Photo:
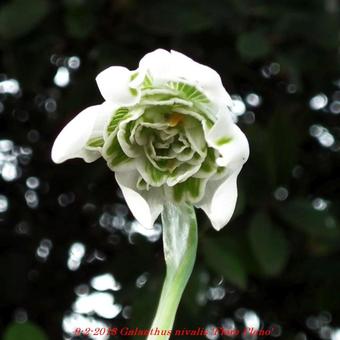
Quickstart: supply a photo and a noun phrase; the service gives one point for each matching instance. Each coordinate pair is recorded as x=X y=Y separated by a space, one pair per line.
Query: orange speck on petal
x=175 y=119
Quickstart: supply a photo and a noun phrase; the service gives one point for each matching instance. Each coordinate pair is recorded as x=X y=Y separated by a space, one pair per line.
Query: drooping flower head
x=166 y=131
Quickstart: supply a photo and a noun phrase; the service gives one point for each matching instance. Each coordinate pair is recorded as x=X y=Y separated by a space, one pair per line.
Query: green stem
x=180 y=247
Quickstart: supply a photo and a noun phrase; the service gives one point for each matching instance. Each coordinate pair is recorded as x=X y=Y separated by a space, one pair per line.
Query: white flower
x=167 y=132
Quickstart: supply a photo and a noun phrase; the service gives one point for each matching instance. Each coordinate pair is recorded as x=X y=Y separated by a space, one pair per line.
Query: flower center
x=163 y=139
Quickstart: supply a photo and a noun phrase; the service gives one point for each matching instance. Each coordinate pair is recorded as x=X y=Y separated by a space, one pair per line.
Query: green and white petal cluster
x=166 y=131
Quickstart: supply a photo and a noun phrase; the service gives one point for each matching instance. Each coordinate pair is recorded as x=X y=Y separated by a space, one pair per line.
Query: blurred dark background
x=71 y=254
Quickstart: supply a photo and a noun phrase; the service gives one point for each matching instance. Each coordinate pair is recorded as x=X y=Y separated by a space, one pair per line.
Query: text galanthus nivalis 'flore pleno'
x=166 y=131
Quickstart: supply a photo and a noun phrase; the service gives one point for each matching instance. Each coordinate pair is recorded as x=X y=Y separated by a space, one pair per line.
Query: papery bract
x=166 y=131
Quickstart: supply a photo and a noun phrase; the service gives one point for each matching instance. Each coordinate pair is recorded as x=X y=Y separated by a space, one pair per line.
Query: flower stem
x=180 y=247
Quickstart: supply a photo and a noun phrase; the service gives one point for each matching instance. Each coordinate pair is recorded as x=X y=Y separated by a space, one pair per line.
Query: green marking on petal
x=208 y=167
x=182 y=172
x=113 y=148
x=223 y=140
x=178 y=192
x=220 y=172
x=147 y=82
x=114 y=154
x=185 y=155
x=193 y=186
x=141 y=184
x=119 y=115
x=188 y=92
x=133 y=76
x=157 y=177
x=119 y=159
x=163 y=163
x=208 y=164
x=188 y=191
x=95 y=143
x=196 y=159
x=204 y=117
x=133 y=91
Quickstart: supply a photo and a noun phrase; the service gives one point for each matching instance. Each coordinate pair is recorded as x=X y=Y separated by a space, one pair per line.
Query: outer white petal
x=235 y=152
x=71 y=141
x=114 y=84
x=207 y=78
x=144 y=205
x=106 y=111
x=220 y=199
x=158 y=63
x=164 y=66
x=220 y=196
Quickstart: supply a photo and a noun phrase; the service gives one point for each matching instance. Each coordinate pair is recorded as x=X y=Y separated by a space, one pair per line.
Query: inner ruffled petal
x=167 y=140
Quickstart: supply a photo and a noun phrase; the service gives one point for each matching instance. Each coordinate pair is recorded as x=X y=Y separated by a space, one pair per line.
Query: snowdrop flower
x=166 y=131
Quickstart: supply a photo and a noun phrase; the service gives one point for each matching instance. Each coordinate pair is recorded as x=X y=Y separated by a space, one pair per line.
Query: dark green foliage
x=268 y=244
x=25 y=331
x=18 y=17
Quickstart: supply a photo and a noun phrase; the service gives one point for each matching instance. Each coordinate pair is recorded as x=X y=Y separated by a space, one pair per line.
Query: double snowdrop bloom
x=166 y=131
